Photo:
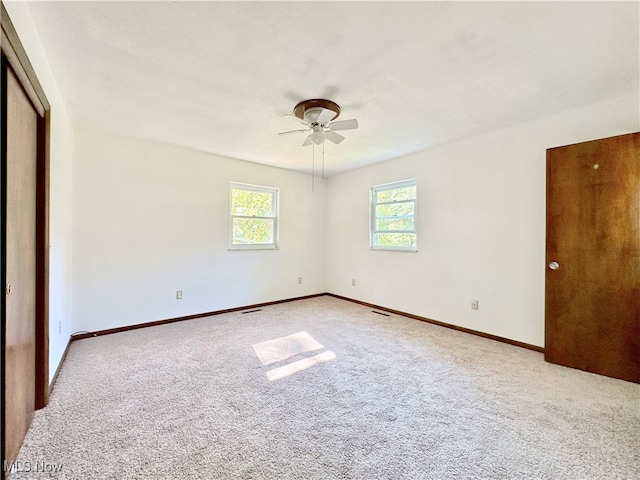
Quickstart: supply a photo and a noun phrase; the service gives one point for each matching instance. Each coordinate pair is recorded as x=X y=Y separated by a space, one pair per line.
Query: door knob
x=554 y=265
x=8 y=289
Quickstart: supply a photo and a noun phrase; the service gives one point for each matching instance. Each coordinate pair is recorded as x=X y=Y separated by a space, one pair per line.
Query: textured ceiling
x=219 y=76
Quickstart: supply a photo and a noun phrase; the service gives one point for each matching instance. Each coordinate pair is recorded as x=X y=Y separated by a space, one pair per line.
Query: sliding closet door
x=593 y=257
x=20 y=290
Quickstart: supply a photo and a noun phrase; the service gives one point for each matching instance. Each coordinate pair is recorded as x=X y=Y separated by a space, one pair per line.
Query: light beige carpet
x=325 y=389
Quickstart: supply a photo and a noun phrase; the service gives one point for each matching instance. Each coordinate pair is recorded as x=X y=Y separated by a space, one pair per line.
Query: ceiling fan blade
x=307 y=141
x=333 y=136
x=293 y=131
x=344 y=125
x=325 y=116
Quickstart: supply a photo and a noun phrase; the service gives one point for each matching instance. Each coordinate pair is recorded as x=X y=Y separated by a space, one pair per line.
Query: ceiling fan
x=318 y=115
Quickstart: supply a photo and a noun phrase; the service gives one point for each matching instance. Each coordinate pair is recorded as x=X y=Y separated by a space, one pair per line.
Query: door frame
x=15 y=57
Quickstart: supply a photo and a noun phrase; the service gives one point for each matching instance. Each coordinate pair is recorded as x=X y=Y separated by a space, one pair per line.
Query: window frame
x=275 y=216
x=412 y=182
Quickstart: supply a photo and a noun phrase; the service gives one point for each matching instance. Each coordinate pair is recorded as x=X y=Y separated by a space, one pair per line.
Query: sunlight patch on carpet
x=290 y=369
x=279 y=349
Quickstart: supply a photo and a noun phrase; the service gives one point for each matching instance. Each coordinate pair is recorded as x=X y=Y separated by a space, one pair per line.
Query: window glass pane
x=395 y=194
x=249 y=203
x=395 y=224
x=252 y=231
x=397 y=240
x=395 y=216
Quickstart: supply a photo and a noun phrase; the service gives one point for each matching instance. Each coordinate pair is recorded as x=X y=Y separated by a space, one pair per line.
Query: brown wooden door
x=592 y=311
x=20 y=294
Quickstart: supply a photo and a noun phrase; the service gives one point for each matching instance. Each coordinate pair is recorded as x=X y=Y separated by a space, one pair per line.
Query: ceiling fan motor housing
x=302 y=109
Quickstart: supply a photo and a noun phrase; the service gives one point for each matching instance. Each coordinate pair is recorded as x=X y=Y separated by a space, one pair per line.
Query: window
x=254 y=217
x=393 y=216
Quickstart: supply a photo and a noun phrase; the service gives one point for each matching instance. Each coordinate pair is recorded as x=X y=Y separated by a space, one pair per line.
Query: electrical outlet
x=60 y=327
x=474 y=304
x=299 y=279
x=179 y=295
x=353 y=282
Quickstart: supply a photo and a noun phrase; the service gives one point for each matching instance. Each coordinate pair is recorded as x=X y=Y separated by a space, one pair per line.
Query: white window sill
x=235 y=248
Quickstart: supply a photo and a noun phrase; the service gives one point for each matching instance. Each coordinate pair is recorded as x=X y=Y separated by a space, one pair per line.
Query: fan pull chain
x=313 y=169
x=322 y=160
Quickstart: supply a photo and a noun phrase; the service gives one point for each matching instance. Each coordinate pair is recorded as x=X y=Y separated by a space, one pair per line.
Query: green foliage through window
x=252 y=231
x=396 y=194
x=250 y=203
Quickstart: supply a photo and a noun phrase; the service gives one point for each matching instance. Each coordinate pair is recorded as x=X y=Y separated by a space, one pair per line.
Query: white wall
x=151 y=219
x=61 y=154
x=481 y=225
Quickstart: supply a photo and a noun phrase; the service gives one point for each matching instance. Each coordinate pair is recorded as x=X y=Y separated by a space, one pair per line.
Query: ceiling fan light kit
x=317 y=137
